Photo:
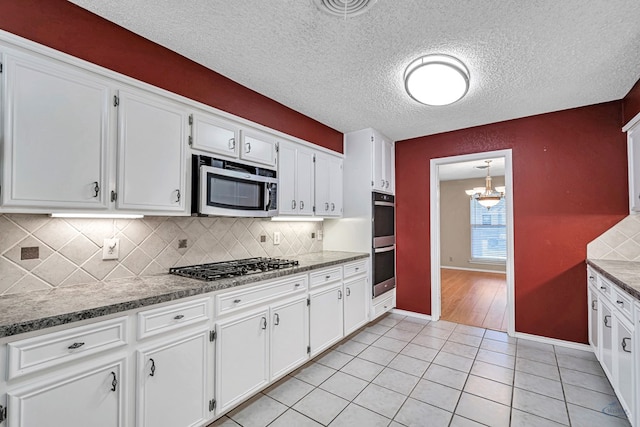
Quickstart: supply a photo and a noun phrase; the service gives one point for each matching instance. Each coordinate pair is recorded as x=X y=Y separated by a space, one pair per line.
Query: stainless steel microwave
x=227 y=188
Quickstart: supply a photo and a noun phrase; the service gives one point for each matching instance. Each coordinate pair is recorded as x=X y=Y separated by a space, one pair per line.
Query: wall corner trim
x=411 y=314
x=553 y=341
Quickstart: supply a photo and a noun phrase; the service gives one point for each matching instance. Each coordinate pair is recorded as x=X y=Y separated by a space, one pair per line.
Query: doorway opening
x=472 y=245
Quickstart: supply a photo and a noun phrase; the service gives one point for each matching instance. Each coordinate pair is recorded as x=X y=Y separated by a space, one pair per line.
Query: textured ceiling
x=525 y=57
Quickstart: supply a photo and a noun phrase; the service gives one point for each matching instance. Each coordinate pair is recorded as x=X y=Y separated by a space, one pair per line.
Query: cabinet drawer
x=325 y=276
x=382 y=306
x=175 y=316
x=605 y=287
x=34 y=354
x=230 y=302
x=624 y=302
x=354 y=268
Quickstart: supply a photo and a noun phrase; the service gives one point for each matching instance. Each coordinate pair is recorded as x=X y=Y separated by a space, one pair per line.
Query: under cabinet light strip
x=297 y=218
x=91 y=215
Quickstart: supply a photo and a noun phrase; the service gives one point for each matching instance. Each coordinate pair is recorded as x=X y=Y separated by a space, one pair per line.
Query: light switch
x=276 y=237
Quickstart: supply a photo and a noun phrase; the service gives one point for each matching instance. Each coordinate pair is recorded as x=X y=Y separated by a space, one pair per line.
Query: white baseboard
x=410 y=314
x=479 y=270
x=554 y=341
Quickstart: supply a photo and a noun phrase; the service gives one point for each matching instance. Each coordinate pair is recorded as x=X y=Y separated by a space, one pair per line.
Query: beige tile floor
x=403 y=371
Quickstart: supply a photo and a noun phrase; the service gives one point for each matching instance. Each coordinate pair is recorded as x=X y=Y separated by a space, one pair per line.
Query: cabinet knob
x=248 y=145
x=333 y=207
x=620 y=302
x=179 y=316
x=75 y=345
x=382 y=183
x=348 y=292
x=604 y=288
x=264 y=322
x=326 y=206
x=178 y=195
x=293 y=204
x=301 y=204
x=339 y=294
x=236 y=301
x=96 y=188
x=276 y=319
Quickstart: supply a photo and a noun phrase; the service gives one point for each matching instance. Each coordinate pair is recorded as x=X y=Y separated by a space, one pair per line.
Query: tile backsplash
x=620 y=242
x=70 y=250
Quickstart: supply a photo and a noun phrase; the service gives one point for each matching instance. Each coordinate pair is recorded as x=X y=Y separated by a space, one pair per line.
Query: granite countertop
x=625 y=274
x=31 y=311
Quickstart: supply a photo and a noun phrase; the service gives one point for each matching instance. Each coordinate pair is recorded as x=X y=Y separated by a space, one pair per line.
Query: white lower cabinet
x=242 y=357
x=89 y=396
x=289 y=336
x=355 y=303
x=325 y=317
x=172 y=382
x=593 y=309
x=624 y=366
x=606 y=342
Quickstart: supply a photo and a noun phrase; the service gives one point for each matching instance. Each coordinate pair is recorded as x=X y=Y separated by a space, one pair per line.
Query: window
x=488 y=232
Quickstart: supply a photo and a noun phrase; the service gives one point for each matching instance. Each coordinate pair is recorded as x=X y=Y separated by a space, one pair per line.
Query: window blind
x=488 y=232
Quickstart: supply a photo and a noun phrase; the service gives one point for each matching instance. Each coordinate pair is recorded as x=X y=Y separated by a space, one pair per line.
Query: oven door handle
x=384 y=204
x=385 y=249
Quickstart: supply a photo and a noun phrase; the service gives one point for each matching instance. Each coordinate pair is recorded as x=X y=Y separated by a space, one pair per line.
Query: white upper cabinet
x=328 y=185
x=295 y=179
x=383 y=164
x=258 y=147
x=151 y=155
x=55 y=136
x=633 y=155
x=215 y=135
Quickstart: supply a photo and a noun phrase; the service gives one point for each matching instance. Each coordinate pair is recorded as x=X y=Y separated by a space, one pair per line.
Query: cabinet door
x=172 y=383
x=89 y=398
x=378 y=163
x=287 y=202
x=242 y=358
x=355 y=304
x=388 y=166
x=606 y=339
x=289 y=335
x=322 y=185
x=215 y=135
x=305 y=181
x=335 y=186
x=624 y=352
x=325 y=317
x=258 y=147
x=151 y=162
x=55 y=137
x=593 y=320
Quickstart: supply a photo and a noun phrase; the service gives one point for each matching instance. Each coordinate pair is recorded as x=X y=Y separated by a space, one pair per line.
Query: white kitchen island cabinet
x=92 y=395
x=56 y=136
x=172 y=385
x=152 y=134
x=296 y=179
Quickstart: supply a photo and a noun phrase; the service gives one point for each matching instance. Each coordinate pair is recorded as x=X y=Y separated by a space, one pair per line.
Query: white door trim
x=435 y=229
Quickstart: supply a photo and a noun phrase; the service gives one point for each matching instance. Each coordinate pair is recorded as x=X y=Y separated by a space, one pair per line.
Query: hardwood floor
x=474 y=298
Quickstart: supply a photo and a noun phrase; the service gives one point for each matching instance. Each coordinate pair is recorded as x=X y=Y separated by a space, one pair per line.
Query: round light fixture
x=436 y=79
x=344 y=8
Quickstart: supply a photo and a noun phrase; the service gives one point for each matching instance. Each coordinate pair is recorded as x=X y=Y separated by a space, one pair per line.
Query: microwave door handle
x=267 y=197
x=385 y=249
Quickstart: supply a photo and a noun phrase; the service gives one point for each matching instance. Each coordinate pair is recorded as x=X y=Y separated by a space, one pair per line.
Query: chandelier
x=487 y=196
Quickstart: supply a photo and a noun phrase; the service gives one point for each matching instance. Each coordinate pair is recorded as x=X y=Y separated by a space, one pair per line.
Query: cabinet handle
x=114 y=196
x=236 y=301
x=591 y=277
x=326 y=206
x=297 y=285
x=333 y=207
x=606 y=321
x=293 y=204
x=327 y=277
x=387 y=184
x=624 y=344
x=301 y=204
x=339 y=294
x=178 y=196
x=153 y=367
x=96 y=188
x=248 y=145
x=604 y=288
x=232 y=144
x=179 y=316
x=276 y=320
x=114 y=383
x=593 y=305
x=620 y=302
x=264 y=322
x=75 y=345
x=348 y=292
x=382 y=185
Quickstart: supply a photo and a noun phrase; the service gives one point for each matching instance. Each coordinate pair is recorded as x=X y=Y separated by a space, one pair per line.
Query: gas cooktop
x=240 y=267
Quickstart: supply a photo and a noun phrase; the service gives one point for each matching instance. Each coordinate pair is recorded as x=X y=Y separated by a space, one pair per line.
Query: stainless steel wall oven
x=384 y=248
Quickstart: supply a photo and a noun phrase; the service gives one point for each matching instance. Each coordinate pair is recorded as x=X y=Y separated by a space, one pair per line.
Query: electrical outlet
x=182 y=243
x=111 y=249
x=263 y=238
x=319 y=234
x=276 y=237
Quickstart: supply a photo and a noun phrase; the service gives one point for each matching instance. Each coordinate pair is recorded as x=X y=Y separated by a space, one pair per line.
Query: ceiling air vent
x=344 y=8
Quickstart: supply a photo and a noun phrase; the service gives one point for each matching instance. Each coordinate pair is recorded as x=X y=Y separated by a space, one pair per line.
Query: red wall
x=73 y=30
x=631 y=103
x=569 y=185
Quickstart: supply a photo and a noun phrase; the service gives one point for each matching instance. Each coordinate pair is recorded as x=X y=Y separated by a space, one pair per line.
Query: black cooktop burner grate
x=224 y=269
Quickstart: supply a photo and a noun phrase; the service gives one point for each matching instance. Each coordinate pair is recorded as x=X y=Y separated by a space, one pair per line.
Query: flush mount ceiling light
x=436 y=79
x=487 y=196
x=344 y=8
